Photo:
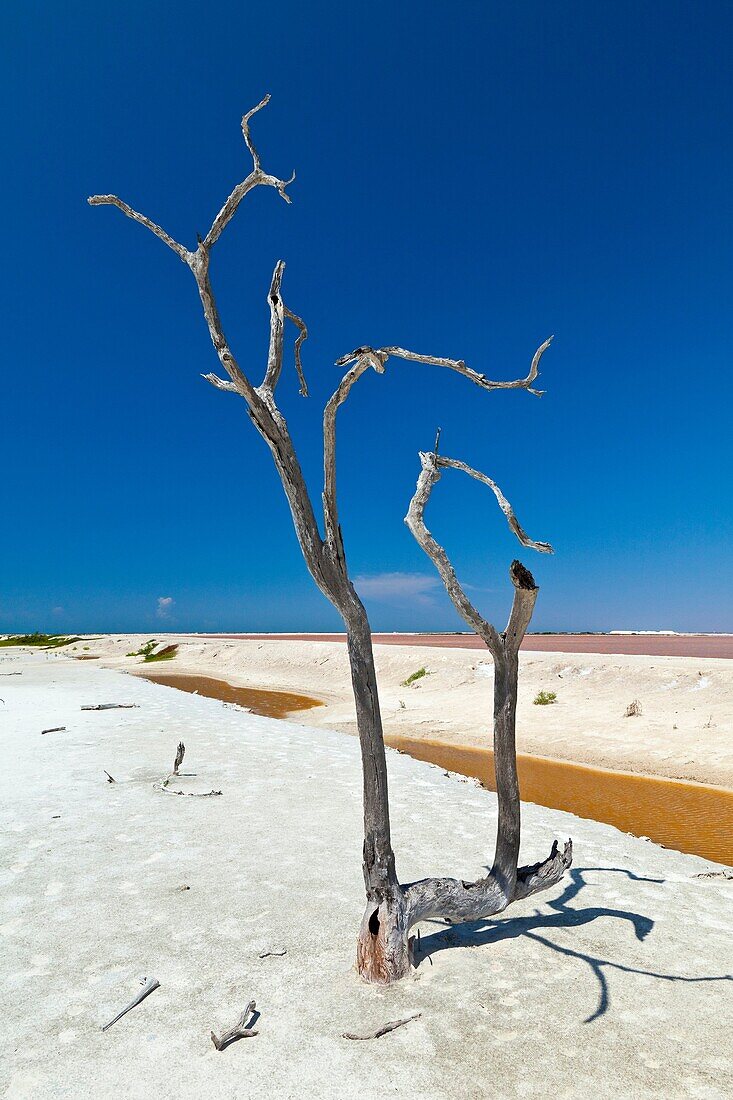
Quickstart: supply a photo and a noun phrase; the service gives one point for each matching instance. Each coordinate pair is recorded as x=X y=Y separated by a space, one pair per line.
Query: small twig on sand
x=111 y=706
x=53 y=729
x=239 y=1031
x=186 y=794
x=148 y=985
x=391 y=1026
x=274 y=951
x=110 y=778
x=180 y=753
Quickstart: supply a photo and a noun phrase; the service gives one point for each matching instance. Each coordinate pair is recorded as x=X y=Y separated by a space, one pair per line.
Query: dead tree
x=383 y=950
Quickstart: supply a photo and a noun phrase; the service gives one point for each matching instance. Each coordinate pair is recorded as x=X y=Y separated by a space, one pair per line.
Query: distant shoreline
x=641 y=644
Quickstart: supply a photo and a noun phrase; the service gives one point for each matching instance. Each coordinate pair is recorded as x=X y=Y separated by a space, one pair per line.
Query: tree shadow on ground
x=483 y=932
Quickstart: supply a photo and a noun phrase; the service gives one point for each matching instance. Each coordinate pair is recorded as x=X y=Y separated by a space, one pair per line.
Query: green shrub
x=418 y=675
x=166 y=654
x=544 y=698
x=145 y=650
x=49 y=641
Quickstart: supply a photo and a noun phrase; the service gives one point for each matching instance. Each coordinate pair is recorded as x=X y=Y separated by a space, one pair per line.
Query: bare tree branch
x=415 y=521
x=453 y=463
x=277 y=328
x=365 y=358
x=220 y=383
x=200 y=268
x=299 y=339
x=459 y=366
x=246 y=134
x=256 y=178
x=112 y=200
x=278 y=312
x=431 y=465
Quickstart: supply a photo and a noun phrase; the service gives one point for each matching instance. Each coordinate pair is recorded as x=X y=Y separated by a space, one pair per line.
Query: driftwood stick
x=391 y=1026
x=274 y=951
x=53 y=729
x=239 y=1031
x=148 y=985
x=163 y=785
x=111 y=706
x=110 y=778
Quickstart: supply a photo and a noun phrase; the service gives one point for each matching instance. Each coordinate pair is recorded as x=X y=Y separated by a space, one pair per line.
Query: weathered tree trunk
x=382 y=953
x=506 y=676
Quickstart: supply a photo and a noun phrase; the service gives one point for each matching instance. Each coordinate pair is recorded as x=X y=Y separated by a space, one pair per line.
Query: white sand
x=91 y=899
x=685 y=730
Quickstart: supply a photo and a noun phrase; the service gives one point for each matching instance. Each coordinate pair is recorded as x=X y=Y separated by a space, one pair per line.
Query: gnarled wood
x=239 y=1031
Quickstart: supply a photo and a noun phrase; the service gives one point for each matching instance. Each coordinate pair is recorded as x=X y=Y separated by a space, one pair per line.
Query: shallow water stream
x=690 y=817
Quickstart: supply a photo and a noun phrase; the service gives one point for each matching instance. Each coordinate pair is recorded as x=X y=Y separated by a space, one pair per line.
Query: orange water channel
x=690 y=817
x=270 y=704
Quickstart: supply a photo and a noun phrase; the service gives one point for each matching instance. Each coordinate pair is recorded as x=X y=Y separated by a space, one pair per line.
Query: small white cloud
x=58 y=610
x=398 y=587
x=165 y=603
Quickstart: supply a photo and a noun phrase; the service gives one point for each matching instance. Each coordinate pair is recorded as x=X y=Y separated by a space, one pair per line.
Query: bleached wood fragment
x=239 y=1031
x=148 y=985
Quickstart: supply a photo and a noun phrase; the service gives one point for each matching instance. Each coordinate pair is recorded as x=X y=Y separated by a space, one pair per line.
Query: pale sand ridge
x=685 y=730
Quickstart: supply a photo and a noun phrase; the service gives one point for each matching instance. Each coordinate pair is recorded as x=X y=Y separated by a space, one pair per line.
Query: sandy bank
x=685 y=730
x=610 y=986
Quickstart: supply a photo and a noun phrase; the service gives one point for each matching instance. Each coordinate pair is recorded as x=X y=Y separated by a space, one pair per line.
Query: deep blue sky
x=471 y=178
